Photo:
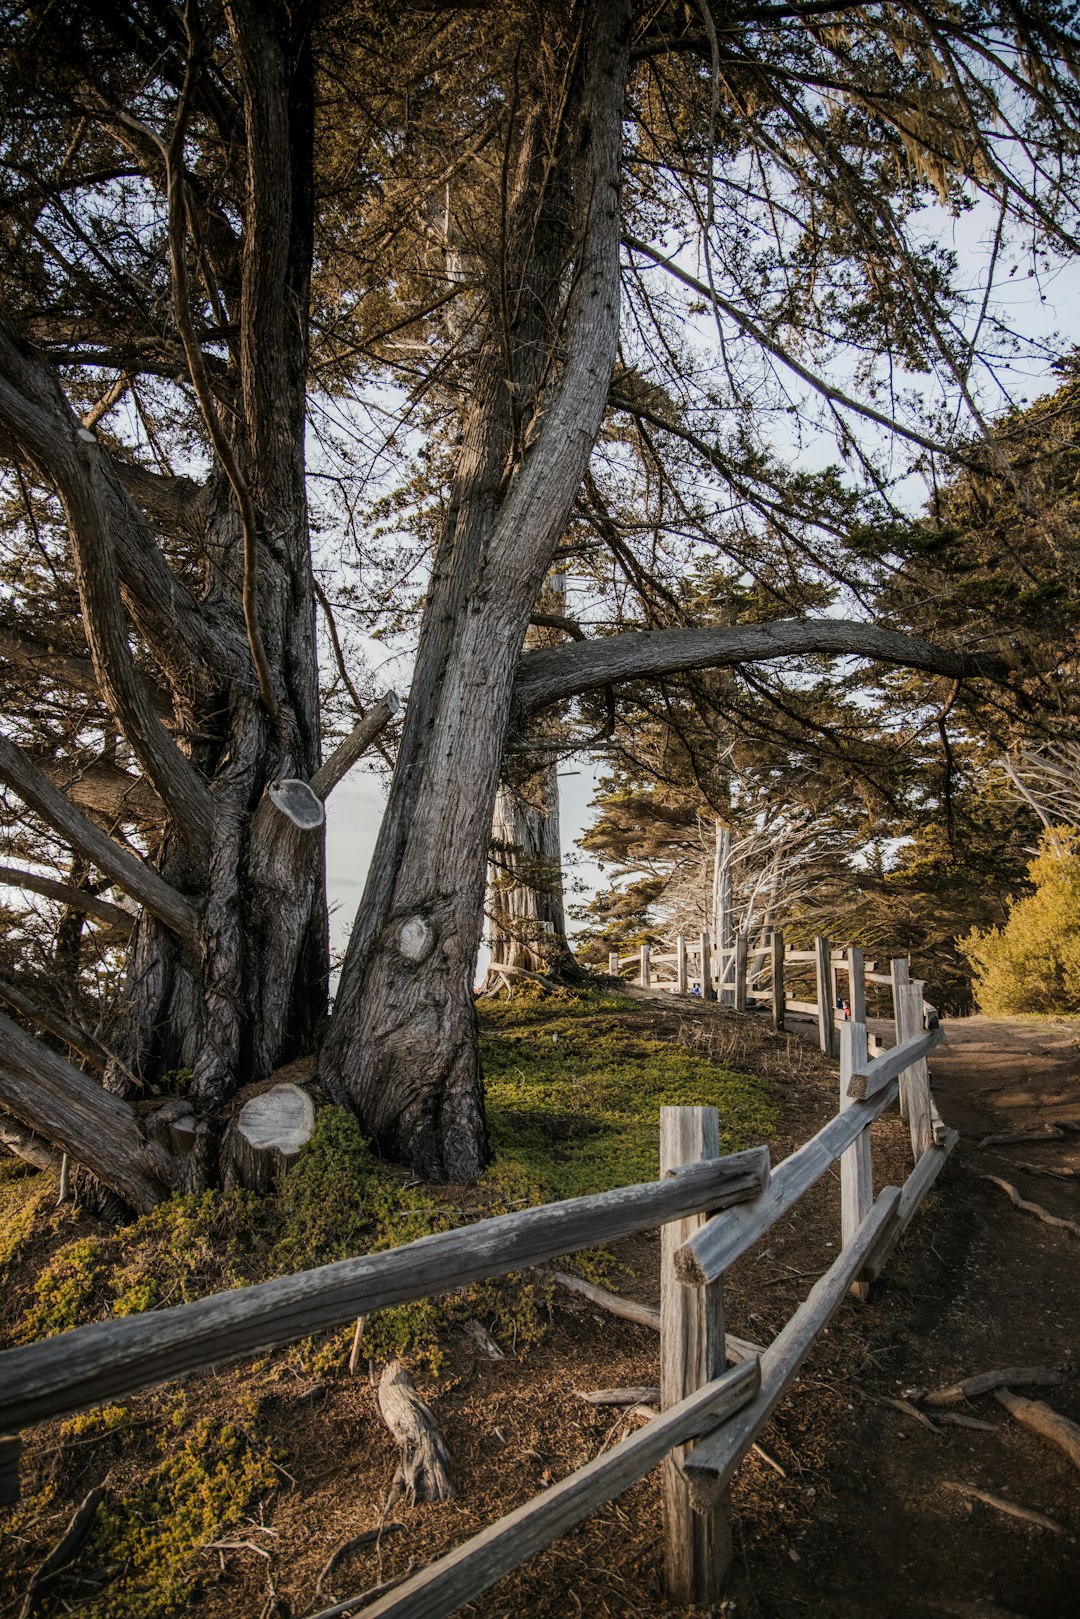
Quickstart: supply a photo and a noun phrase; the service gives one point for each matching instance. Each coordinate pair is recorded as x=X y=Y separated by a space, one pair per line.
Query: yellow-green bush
x=1032 y=964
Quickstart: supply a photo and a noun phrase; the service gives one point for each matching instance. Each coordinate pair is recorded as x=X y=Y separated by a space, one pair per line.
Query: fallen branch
x=644 y=1315
x=1032 y=1208
x=1044 y=1420
x=984 y=1382
x=905 y=1406
x=63 y=1553
x=424 y=1468
x=482 y=1340
x=347 y=1606
x=960 y=1419
x=1005 y=1138
x=626 y=1396
x=1045 y=1169
x=770 y=1461
x=1026 y=1514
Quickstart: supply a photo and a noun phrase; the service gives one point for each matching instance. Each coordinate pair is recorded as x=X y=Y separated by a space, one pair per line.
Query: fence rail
x=739 y=974
x=711 y=1209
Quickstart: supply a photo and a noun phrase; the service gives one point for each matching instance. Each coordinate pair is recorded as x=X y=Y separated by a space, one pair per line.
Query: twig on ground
x=63 y=1553
x=959 y=1419
x=770 y=1461
x=367 y=1537
x=340 y=1608
x=905 y=1406
x=1038 y=1520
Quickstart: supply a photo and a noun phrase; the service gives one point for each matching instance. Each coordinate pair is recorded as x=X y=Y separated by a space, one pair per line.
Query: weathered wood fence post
x=826 y=1009
x=643 y=978
x=697 y=1545
x=740 y=972
x=778 y=996
x=917 y=1077
x=613 y=964
x=901 y=977
x=680 y=964
x=856 y=1165
x=707 y=991
x=857 y=984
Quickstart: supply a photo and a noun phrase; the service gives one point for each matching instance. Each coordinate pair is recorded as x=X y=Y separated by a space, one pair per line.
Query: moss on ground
x=575 y=1086
x=575 y=1091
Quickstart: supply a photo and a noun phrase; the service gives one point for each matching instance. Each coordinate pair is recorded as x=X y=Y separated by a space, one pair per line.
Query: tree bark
x=402 y=1043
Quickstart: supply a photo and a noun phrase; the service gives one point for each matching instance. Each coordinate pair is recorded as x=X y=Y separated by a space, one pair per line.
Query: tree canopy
x=325 y=322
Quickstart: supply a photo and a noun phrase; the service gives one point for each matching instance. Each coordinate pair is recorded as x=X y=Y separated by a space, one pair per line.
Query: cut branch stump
x=267 y=1136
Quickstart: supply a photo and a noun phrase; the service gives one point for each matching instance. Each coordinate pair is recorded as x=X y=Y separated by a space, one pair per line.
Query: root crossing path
x=907 y=1516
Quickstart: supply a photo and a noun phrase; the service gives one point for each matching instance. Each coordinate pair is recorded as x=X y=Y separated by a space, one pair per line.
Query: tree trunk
x=402 y=1043
x=525 y=897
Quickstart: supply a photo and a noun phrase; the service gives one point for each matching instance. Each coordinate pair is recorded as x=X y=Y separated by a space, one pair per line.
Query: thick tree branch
x=77 y=898
x=176 y=502
x=560 y=672
x=41 y=658
x=138 y=879
x=78 y=1039
x=356 y=743
x=77 y=1116
x=103 y=789
x=25 y=1144
x=38 y=425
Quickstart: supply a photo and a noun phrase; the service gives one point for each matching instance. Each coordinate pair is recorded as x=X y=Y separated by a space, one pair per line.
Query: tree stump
x=424 y=1469
x=267 y=1135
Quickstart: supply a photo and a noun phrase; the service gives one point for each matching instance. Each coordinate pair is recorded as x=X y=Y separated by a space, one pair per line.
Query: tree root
x=1038 y=1520
x=1043 y=1420
x=985 y=1382
x=1032 y=1208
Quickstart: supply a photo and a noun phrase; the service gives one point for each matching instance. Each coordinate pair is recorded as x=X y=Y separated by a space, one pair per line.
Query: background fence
x=711 y=1210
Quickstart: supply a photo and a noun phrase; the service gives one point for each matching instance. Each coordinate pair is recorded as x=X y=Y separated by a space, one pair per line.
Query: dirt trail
x=979 y=1285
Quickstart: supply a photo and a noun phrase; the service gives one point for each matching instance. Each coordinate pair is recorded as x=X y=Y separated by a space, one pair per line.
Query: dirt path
x=979 y=1285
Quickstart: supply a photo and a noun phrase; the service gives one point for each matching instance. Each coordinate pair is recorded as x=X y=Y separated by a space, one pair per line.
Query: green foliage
x=23 y=1194
x=574 y=1094
x=1032 y=964
x=202 y=1488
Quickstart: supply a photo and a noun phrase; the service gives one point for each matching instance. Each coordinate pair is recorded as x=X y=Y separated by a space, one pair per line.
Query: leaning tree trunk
x=402 y=1045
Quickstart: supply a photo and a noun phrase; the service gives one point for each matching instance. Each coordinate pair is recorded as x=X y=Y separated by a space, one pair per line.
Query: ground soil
x=847 y=1508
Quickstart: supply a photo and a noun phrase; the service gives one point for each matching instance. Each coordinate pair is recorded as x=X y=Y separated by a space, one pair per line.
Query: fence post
x=697 y=1546
x=778 y=997
x=613 y=964
x=901 y=977
x=707 y=991
x=825 y=997
x=857 y=984
x=856 y=1167
x=920 y=1111
x=643 y=980
x=740 y=972
x=680 y=964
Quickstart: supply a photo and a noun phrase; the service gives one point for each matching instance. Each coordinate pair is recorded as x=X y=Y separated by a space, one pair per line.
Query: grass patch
x=574 y=1093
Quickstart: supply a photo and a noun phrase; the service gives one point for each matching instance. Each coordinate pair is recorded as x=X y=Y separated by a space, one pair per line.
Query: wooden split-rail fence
x=710 y=1209
x=744 y=976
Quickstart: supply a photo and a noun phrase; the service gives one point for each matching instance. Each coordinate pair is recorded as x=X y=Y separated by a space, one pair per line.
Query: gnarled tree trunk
x=402 y=1042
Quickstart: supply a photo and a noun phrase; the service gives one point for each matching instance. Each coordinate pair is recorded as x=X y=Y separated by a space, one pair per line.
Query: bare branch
x=78 y=1039
x=77 y=898
x=137 y=878
x=559 y=672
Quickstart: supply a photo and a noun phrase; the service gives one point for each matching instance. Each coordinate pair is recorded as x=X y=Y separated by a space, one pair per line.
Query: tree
x=1032 y=963
x=221 y=219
